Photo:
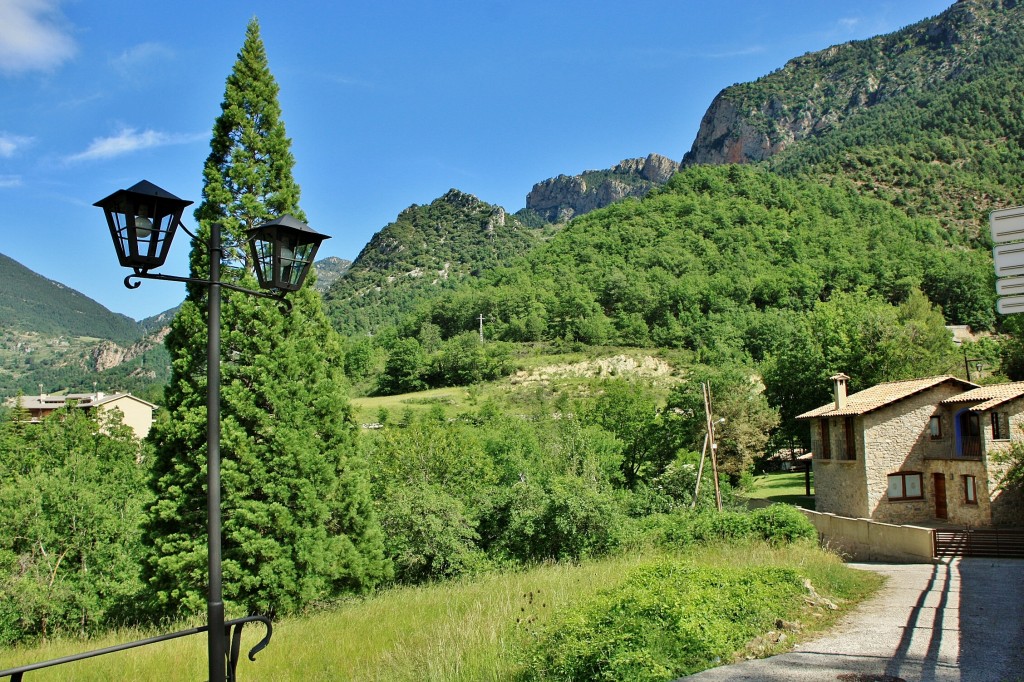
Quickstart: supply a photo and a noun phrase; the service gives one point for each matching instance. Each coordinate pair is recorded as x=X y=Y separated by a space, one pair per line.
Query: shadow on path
x=956 y=621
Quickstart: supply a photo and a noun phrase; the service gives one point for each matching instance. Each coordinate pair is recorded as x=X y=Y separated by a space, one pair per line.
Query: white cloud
x=10 y=181
x=10 y=144
x=131 y=140
x=33 y=36
x=738 y=52
x=140 y=56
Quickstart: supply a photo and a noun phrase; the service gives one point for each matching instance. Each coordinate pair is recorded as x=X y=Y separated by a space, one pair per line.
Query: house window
x=969 y=436
x=826 y=441
x=935 y=427
x=1000 y=426
x=970 y=491
x=905 y=485
x=851 y=441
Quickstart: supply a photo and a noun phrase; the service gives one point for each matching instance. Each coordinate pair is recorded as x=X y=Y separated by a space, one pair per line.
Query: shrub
x=429 y=534
x=666 y=620
x=681 y=528
x=782 y=523
x=568 y=517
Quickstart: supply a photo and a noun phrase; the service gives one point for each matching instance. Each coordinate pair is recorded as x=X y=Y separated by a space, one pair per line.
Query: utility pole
x=711 y=442
x=481 y=328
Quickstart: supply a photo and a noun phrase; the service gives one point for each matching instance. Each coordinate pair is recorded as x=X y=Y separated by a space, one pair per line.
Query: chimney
x=839 y=381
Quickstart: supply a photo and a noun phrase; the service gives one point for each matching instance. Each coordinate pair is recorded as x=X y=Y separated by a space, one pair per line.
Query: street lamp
x=282 y=251
x=142 y=222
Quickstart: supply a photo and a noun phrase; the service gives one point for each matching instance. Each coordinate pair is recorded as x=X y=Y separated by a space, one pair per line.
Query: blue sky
x=387 y=103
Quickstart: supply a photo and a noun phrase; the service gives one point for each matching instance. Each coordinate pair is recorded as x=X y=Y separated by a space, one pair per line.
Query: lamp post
x=142 y=221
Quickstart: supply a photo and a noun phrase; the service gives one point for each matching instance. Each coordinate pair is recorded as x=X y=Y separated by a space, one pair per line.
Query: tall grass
x=473 y=629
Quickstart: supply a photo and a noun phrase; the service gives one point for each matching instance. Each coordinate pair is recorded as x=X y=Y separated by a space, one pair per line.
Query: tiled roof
x=53 y=402
x=989 y=396
x=880 y=395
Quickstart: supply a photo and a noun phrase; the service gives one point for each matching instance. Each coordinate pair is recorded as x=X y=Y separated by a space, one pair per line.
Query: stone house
x=135 y=412
x=917 y=451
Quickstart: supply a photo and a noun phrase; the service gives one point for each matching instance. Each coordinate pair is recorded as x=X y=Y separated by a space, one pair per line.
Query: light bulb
x=143 y=227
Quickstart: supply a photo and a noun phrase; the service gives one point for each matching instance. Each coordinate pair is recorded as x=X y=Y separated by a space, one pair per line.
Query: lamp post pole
x=142 y=222
x=215 y=602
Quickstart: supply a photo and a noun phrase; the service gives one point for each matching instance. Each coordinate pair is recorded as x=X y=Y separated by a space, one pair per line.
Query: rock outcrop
x=558 y=199
x=821 y=90
x=107 y=354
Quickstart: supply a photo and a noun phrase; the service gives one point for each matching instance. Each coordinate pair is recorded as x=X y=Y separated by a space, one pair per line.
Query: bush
x=782 y=523
x=682 y=528
x=566 y=518
x=665 y=621
x=429 y=534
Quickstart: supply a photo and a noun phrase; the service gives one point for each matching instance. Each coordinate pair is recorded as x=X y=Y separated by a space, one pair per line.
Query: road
x=956 y=621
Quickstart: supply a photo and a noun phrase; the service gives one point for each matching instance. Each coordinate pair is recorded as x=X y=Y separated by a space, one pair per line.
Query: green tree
x=628 y=410
x=861 y=336
x=738 y=398
x=297 y=519
x=403 y=371
x=72 y=496
x=1012 y=360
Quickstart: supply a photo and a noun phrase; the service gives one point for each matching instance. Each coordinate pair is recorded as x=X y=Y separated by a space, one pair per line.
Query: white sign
x=1010 y=304
x=1007 y=225
x=1010 y=286
x=1009 y=259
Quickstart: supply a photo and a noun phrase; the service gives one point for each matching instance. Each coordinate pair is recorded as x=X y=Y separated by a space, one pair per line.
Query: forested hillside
x=54 y=336
x=32 y=303
x=718 y=261
x=926 y=118
x=734 y=266
x=425 y=250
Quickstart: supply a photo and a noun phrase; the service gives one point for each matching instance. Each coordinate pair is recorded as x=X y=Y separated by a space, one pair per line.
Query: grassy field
x=455 y=399
x=539 y=372
x=463 y=630
x=783 y=486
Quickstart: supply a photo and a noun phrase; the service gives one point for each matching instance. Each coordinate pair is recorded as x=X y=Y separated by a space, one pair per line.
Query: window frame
x=1000 y=425
x=826 y=438
x=903 y=475
x=850 y=436
x=970 y=487
x=935 y=427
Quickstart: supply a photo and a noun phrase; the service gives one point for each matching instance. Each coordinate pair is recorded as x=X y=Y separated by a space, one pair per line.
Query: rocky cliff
x=821 y=91
x=108 y=355
x=558 y=199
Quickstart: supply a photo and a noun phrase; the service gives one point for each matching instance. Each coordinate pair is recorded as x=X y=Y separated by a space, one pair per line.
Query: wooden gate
x=980 y=542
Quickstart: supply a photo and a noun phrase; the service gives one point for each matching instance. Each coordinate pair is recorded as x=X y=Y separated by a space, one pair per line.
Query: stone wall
x=897 y=439
x=1007 y=505
x=839 y=481
x=866 y=540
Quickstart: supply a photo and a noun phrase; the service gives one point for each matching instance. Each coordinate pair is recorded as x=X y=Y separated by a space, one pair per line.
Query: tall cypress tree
x=297 y=520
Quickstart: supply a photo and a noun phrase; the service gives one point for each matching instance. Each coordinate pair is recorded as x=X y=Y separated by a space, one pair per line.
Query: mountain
x=724 y=261
x=57 y=338
x=556 y=200
x=427 y=248
x=328 y=270
x=926 y=118
x=30 y=302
